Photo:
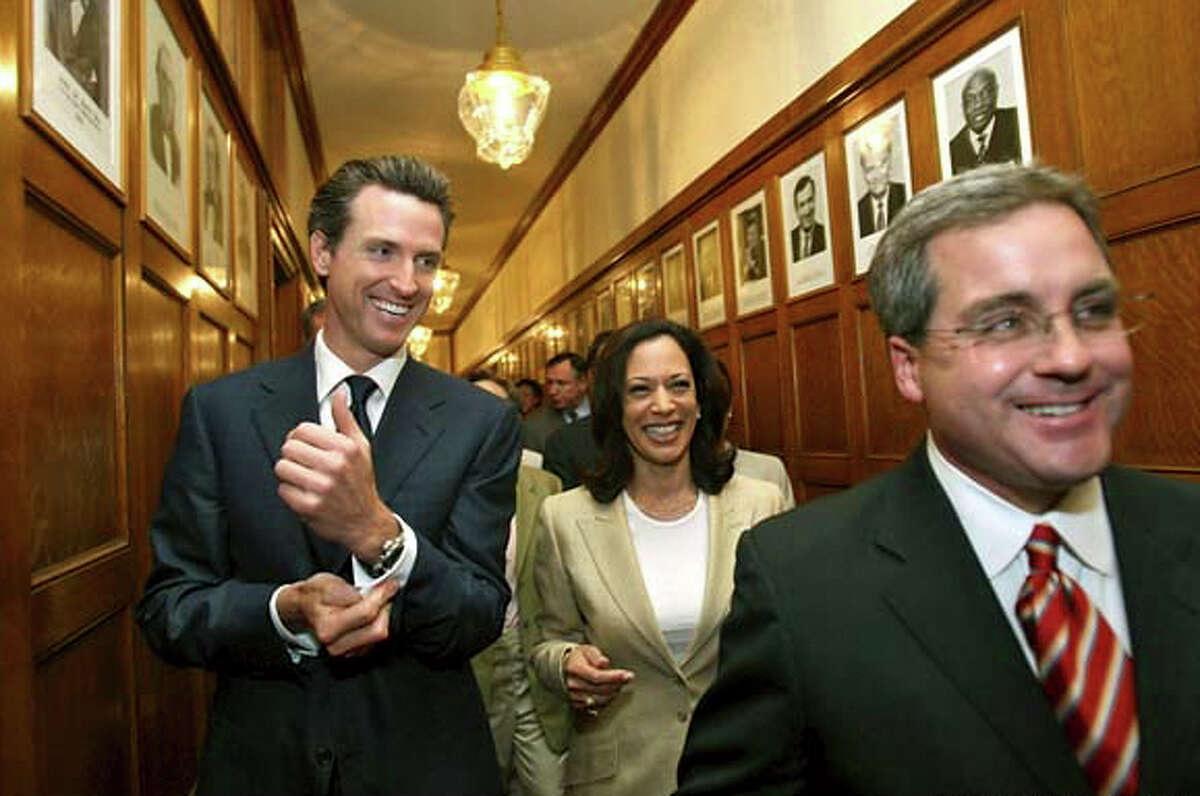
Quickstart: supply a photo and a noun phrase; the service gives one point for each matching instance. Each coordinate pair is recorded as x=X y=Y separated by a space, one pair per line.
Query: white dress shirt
x=332 y=373
x=998 y=531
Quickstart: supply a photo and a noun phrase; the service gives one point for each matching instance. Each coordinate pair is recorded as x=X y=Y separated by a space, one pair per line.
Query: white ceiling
x=385 y=76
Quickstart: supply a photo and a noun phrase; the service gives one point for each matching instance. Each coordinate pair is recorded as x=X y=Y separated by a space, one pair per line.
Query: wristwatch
x=389 y=554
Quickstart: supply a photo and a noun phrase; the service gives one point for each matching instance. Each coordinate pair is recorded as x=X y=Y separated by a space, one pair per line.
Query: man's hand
x=590 y=683
x=343 y=620
x=327 y=478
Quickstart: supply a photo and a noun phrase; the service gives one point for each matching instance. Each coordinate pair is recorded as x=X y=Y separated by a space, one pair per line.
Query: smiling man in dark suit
x=1006 y=612
x=331 y=532
x=990 y=134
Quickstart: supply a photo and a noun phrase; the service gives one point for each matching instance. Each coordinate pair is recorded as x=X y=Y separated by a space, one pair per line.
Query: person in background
x=529 y=393
x=635 y=570
x=529 y=723
x=1005 y=612
x=313 y=319
x=572 y=450
x=752 y=464
x=566 y=396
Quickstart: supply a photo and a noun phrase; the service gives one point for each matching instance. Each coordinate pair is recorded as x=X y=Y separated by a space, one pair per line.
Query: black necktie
x=361 y=388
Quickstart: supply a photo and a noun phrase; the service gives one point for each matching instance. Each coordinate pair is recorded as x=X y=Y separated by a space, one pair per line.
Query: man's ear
x=318 y=251
x=906 y=368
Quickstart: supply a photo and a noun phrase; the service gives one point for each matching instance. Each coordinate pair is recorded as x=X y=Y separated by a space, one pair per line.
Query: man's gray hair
x=902 y=286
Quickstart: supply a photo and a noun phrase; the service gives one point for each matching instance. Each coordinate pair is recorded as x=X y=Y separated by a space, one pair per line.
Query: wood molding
x=296 y=72
x=658 y=28
x=898 y=41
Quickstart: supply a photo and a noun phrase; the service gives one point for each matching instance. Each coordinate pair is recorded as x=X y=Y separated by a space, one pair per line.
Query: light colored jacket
x=590 y=583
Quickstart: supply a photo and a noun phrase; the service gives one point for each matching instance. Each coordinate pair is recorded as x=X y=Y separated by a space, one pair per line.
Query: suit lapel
x=941 y=595
x=288 y=397
x=606 y=534
x=1159 y=558
x=723 y=514
x=408 y=428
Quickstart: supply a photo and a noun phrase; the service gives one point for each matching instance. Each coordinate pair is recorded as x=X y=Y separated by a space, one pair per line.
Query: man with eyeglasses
x=1006 y=612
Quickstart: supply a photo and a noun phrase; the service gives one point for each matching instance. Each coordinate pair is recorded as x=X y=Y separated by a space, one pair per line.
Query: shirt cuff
x=299 y=645
x=400 y=571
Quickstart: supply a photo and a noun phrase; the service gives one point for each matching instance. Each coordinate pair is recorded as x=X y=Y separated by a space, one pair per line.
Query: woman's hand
x=590 y=683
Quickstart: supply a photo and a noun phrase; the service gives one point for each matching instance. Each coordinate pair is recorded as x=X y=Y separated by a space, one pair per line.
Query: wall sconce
x=445 y=282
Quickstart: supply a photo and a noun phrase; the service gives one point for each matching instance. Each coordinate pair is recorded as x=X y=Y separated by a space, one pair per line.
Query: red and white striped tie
x=1085 y=673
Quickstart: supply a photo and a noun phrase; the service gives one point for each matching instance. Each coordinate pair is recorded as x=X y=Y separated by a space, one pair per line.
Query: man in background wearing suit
x=1006 y=612
x=990 y=134
x=572 y=451
x=883 y=198
x=330 y=538
x=808 y=236
x=566 y=400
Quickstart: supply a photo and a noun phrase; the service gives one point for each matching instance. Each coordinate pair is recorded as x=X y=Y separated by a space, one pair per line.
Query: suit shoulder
x=747 y=488
x=1170 y=493
x=540 y=479
x=572 y=501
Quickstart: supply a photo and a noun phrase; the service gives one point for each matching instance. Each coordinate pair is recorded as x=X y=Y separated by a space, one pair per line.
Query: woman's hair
x=711 y=457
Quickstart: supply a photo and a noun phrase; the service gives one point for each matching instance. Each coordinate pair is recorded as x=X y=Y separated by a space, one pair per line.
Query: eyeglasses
x=1095 y=317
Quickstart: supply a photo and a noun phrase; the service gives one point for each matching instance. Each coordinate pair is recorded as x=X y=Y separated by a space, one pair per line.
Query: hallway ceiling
x=385 y=76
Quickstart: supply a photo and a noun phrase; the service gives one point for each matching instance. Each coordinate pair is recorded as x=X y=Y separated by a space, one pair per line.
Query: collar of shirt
x=998 y=530
x=332 y=371
x=583 y=410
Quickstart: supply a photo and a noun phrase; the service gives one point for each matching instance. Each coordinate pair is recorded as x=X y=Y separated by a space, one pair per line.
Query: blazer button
x=324 y=757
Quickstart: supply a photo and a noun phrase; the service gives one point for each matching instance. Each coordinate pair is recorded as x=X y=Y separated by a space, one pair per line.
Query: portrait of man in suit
x=164 y=141
x=212 y=192
x=708 y=264
x=808 y=236
x=1001 y=613
x=990 y=134
x=330 y=537
x=77 y=35
x=752 y=258
x=884 y=197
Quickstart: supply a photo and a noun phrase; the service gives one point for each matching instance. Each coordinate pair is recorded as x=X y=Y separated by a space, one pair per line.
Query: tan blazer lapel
x=606 y=534
x=724 y=514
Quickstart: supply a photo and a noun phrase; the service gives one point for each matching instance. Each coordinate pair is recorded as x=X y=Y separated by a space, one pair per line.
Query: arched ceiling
x=385 y=76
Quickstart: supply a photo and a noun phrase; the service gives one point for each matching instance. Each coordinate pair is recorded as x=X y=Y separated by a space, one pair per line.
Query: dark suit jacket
x=570 y=452
x=818 y=241
x=538 y=425
x=866 y=209
x=404 y=718
x=865 y=652
x=1003 y=147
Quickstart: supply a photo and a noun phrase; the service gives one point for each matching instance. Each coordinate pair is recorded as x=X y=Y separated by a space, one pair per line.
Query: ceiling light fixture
x=500 y=104
x=418 y=341
x=445 y=282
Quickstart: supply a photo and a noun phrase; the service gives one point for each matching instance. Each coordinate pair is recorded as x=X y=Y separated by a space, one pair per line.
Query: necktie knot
x=569 y=415
x=1042 y=548
x=361 y=388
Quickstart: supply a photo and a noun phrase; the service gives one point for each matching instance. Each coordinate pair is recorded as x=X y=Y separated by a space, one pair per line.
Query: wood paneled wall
x=105 y=325
x=1110 y=96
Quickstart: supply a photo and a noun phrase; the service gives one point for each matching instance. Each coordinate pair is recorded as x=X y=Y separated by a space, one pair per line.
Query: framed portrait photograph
x=214 y=196
x=166 y=153
x=981 y=109
x=245 y=240
x=605 y=312
x=649 y=291
x=675 y=303
x=626 y=296
x=804 y=207
x=710 y=282
x=587 y=325
x=751 y=254
x=75 y=85
x=880 y=176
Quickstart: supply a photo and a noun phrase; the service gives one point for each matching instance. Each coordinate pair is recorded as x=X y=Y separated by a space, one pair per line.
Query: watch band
x=389 y=554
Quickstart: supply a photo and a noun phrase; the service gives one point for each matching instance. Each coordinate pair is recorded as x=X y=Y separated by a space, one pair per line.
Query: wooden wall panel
x=1162 y=429
x=207 y=349
x=892 y=425
x=763 y=399
x=71 y=442
x=1135 y=67
x=820 y=386
x=241 y=354
x=83 y=731
x=288 y=331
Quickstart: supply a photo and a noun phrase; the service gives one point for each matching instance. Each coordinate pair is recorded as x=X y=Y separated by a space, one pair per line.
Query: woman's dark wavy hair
x=711 y=456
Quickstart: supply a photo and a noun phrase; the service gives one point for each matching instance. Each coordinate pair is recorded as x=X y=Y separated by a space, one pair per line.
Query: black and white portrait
x=804 y=206
x=166 y=155
x=982 y=113
x=245 y=231
x=675 y=284
x=214 y=196
x=710 y=284
x=751 y=253
x=880 y=177
x=76 y=85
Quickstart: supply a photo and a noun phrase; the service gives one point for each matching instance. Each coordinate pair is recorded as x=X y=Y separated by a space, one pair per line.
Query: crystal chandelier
x=500 y=104
x=445 y=282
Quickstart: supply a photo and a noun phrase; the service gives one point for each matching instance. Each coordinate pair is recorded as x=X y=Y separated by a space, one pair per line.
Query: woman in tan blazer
x=635 y=569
